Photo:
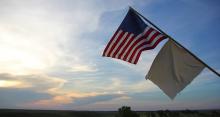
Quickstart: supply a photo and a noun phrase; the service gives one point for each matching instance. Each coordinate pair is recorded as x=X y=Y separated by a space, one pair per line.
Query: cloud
x=35 y=34
x=83 y=68
x=123 y=86
x=62 y=99
x=38 y=83
x=31 y=38
x=45 y=87
x=48 y=85
x=11 y=83
x=96 y=99
x=94 y=92
x=40 y=36
x=61 y=96
x=70 y=100
x=15 y=98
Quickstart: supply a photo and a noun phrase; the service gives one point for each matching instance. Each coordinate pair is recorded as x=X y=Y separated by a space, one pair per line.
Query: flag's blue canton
x=132 y=23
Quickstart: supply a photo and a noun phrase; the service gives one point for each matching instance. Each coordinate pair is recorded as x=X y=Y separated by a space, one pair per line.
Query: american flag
x=132 y=37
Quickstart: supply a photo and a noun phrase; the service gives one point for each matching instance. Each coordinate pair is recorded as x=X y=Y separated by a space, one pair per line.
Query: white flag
x=173 y=69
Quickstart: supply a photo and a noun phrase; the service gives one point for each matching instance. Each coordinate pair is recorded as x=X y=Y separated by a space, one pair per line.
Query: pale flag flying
x=173 y=69
x=132 y=37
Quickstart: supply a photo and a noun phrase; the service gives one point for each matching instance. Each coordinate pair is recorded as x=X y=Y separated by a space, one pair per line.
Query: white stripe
x=130 y=36
x=147 y=45
x=144 y=40
x=139 y=43
x=146 y=29
x=153 y=42
x=123 y=55
x=137 y=37
x=151 y=34
x=113 y=41
x=116 y=47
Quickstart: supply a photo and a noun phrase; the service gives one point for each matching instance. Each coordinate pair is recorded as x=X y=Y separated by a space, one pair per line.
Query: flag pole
x=176 y=42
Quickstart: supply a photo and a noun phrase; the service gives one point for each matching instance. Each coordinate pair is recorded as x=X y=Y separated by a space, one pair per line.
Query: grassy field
x=53 y=113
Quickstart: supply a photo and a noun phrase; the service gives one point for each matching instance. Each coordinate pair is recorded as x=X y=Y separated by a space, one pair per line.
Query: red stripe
x=126 y=47
x=144 y=37
x=114 y=41
x=109 y=43
x=134 y=52
x=155 y=44
x=114 y=44
x=138 y=56
x=132 y=46
x=122 y=43
x=148 y=48
x=153 y=37
x=148 y=33
x=145 y=43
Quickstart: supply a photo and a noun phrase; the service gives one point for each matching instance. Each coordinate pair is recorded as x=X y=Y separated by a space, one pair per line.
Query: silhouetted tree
x=126 y=111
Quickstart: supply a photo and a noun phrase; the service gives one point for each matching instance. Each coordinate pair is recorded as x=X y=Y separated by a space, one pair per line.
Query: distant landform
x=64 y=113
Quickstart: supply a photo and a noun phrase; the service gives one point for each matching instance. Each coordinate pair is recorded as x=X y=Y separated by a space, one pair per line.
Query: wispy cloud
x=83 y=68
x=39 y=83
x=11 y=83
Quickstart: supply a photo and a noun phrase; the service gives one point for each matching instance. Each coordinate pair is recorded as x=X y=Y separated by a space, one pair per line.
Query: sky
x=51 y=54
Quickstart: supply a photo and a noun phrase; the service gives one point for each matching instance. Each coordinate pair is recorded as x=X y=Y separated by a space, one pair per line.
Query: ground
x=55 y=113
